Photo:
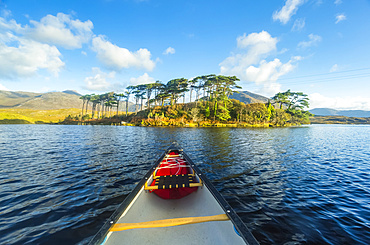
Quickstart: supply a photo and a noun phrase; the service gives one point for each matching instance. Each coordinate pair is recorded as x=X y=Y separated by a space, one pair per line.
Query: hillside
x=339 y=120
x=27 y=116
x=9 y=99
x=40 y=101
x=345 y=113
x=71 y=99
x=248 y=97
x=45 y=101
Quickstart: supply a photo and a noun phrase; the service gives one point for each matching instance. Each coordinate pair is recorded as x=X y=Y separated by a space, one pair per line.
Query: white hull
x=145 y=218
x=150 y=207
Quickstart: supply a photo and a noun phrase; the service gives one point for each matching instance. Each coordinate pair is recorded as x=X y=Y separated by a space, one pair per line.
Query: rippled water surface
x=306 y=185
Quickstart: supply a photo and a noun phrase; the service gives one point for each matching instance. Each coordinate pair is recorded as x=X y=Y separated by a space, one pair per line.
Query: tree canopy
x=211 y=102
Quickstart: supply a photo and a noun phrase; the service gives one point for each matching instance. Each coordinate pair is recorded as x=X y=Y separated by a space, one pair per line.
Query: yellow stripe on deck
x=172 y=155
x=155 y=187
x=168 y=222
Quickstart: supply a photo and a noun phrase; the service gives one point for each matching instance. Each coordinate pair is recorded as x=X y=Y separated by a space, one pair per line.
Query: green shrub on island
x=158 y=104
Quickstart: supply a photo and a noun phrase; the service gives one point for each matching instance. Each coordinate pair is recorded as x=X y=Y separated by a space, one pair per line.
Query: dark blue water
x=306 y=185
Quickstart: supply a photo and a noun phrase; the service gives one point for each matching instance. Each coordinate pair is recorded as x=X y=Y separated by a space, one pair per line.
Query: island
x=209 y=104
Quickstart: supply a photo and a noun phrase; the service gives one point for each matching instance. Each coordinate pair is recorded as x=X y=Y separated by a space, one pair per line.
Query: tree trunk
x=136 y=101
x=92 y=111
x=87 y=105
x=83 y=105
x=126 y=106
x=215 y=111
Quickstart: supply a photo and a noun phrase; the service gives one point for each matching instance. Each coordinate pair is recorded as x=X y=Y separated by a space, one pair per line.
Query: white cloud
x=319 y=2
x=2 y=87
x=169 y=50
x=257 y=46
x=6 y=13
x=10 y=25
x=340 y=103
x=283 y=51
x=25 y=50
x=337 y=2
x=118 y=58
x=257 y=43
x=299 y=24
x=249 y=63
x=334 y=68
x=98 y=82
x=145 y=78
x=339 y=18
x=287 y=11
x=268 y=73
x=25 y=57
x=314 y=40
x=61 y=30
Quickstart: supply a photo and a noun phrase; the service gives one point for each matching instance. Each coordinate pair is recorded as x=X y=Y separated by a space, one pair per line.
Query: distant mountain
x=73 y=92
x=346 y=113
x=10 y=99
x=45 y=101
x=40 y=101
x=248 y=97
x=339 y=120
x=71 y=99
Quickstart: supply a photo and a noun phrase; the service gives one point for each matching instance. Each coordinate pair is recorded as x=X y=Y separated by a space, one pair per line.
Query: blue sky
x=319 y=47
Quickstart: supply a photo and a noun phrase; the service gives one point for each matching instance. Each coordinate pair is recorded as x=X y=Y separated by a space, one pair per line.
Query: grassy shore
x=118 y=122
x=28 y=116
x=68 y=116
x=192 y=124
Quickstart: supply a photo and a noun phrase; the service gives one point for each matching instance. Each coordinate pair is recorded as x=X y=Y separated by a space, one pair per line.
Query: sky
x=318 y=47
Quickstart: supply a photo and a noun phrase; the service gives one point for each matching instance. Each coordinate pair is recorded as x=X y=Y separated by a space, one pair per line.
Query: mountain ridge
x=249 y=97
x=334 y=112
x=66 y=99
x=71 y=99
x=40 y=101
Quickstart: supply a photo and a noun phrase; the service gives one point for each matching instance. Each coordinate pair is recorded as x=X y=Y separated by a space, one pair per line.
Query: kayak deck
x=174 y=203
x=150 y=207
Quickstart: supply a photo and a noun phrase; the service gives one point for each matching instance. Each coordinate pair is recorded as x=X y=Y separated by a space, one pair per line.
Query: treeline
x=102 y=105
x=210 y=87
x=160 y=104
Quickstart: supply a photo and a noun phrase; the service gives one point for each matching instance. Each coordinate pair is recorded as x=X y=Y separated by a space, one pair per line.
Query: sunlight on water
x=289 y=185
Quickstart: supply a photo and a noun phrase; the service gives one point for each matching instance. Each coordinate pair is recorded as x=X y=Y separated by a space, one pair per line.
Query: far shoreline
x=330 y=120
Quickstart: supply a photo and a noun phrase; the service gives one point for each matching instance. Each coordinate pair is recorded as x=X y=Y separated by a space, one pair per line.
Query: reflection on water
x=289 y=185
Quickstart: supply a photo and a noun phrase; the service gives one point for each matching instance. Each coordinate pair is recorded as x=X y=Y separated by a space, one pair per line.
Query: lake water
x=303 y=185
